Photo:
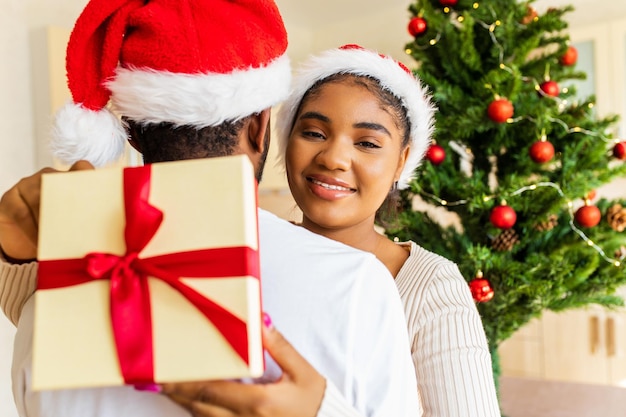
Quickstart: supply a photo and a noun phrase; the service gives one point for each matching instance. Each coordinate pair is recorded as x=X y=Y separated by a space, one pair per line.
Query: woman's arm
x=450 y=350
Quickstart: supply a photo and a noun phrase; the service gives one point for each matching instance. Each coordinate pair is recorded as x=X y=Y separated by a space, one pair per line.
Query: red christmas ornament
x=503 y=217
x=550 y=88
x=591 y=195
x=588 y=215
x=481 y=289
x=436 y=154
x=417 y=26
x=619 y=150
x=541 y=151
x=569 y=57
x=500 y=110
x=448 y=2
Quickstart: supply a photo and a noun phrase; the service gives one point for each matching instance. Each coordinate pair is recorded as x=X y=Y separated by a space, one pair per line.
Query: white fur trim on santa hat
x=80 y=133
x=200 y=100
x=391 y=76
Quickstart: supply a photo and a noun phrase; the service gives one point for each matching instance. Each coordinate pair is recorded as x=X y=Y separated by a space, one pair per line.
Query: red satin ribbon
x=128 y=274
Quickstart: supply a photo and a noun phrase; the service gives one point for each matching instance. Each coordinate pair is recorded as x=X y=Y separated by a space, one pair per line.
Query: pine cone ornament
x=505 y=241
x=616 y=216
x=548 y=224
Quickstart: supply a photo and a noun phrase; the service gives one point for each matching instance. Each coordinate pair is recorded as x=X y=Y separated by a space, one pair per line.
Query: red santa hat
x=186 y=62
x=392 y=76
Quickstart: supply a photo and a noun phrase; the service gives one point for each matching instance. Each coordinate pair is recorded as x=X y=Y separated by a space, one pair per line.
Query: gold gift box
x=206 y=204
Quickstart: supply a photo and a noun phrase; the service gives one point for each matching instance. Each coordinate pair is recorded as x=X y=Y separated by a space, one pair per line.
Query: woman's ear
x=404 y=154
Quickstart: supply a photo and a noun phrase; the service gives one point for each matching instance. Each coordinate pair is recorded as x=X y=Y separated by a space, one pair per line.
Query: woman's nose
x=335 y=154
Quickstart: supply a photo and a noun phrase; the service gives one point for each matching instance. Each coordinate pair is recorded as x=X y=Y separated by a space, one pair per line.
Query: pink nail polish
x=148 y=387
x=267 y=320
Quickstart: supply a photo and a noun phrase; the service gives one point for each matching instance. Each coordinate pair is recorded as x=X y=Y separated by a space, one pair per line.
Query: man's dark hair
x=166 y=142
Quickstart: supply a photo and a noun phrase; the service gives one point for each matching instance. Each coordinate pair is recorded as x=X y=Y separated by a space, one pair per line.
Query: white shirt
x=338 y=306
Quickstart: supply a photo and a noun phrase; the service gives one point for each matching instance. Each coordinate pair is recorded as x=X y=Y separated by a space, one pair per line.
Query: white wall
x=382 y=30
x=22 y=23
x=16 y=145
x=16 y=142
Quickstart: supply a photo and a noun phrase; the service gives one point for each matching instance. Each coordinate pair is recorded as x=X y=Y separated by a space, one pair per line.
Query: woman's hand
x=298 y=393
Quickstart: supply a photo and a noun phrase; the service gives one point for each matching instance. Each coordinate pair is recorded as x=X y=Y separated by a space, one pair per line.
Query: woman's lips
x=329 y=189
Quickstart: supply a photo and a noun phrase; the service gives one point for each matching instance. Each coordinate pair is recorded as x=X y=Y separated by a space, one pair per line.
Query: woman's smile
x=328 y=188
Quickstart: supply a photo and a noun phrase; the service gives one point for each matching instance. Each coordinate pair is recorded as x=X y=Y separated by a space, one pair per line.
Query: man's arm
x=17 y=284
x=19 y=227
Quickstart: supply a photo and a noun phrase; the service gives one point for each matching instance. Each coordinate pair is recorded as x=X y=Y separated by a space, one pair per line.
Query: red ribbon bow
x=128 y=274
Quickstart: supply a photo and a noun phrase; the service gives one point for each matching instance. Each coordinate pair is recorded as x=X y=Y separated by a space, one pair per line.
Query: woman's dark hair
x=389 y=209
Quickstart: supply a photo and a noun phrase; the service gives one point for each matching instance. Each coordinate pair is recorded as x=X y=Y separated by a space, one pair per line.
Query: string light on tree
x=569 y=205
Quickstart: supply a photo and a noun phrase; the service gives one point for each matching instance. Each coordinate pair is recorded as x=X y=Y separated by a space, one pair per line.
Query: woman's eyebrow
x=314 y=115
x=372 y=126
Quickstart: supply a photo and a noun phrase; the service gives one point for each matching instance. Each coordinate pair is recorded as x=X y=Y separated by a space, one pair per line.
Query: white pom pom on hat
x=185 y=62
x=392 y=76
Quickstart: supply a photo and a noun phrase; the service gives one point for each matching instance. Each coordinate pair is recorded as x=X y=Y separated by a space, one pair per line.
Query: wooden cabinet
x=579 y=345
x=585 y=345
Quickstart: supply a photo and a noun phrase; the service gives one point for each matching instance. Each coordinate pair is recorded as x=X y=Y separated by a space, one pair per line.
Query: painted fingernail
x=149 y=387
x=267 y=320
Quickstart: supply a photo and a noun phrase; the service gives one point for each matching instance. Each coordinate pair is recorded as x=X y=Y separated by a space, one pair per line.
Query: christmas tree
x=515 y=161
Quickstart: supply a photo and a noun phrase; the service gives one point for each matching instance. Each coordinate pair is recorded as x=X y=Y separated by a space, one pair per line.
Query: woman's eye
x=368 y=144
x=312 y=134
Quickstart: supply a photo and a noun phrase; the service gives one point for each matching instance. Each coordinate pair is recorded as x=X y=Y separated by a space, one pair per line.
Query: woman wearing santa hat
x=352 y=132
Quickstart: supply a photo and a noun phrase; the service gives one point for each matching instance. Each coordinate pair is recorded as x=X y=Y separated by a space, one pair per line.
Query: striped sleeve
x=17 y=284
x=448 y=343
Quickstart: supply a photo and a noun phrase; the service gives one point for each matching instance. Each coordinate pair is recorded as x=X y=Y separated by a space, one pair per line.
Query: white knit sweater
x=448 y=343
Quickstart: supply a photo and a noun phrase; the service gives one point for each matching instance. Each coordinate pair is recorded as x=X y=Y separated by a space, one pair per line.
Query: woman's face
x=344 y=153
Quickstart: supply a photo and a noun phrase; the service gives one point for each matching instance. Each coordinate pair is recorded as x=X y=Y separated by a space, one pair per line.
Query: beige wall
x=16 y=141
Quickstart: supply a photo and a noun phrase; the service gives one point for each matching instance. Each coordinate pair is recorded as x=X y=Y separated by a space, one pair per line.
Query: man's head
x=167 y=142
x=187 y=70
